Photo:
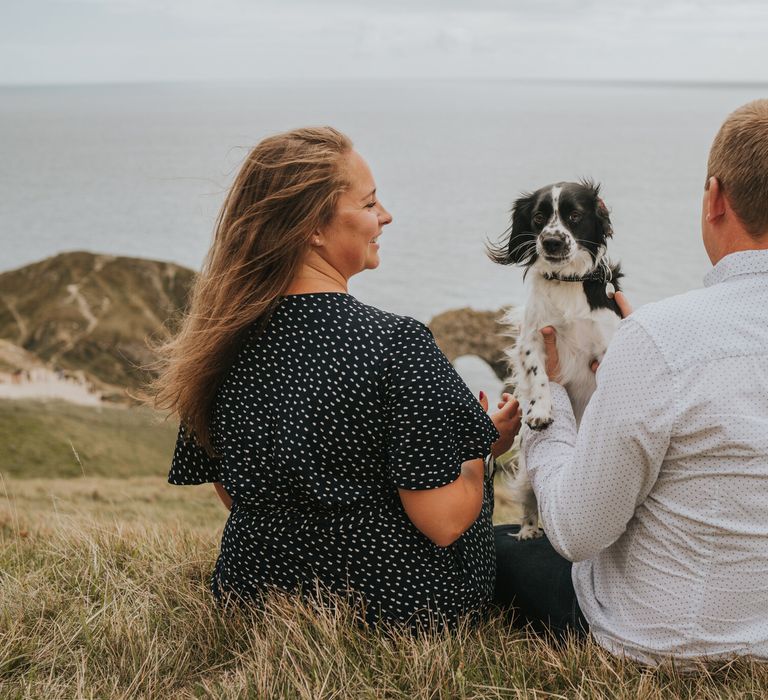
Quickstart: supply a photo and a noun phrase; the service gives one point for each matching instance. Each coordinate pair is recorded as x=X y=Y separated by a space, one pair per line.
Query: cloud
x=71 y=40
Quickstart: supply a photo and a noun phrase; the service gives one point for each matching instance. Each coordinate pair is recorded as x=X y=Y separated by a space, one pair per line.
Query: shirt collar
x=746 y=262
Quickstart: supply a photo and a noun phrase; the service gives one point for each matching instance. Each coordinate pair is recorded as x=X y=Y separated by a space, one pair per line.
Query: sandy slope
x=23 y=376
x=52 y=388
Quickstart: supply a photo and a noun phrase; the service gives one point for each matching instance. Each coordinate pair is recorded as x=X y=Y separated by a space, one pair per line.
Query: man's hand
x=507 y=421
x=623 y=303
x=552 y=365
x=626 y=309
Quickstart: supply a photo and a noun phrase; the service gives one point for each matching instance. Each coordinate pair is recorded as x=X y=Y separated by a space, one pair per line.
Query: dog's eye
x=575 y=217
x=538 y=218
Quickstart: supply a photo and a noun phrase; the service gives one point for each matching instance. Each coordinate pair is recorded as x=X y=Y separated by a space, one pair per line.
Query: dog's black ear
x=603 y=218
x=601 y=211
x=520 y=247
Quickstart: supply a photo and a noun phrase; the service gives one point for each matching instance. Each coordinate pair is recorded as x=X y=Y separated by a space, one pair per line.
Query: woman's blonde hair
x=285 y=191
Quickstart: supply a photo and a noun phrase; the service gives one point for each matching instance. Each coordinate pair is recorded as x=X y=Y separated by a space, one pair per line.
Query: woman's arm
x=226 y=499
x=444 y=514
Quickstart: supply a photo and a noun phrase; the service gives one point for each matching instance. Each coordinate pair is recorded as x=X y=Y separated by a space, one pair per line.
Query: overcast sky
x=66 y=41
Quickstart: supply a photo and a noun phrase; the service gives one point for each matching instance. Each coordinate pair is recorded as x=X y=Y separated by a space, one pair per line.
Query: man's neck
x=722 y=229
x=740 y=244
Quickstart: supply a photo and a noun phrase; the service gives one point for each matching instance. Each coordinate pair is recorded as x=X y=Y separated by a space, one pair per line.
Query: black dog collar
x=597 y=276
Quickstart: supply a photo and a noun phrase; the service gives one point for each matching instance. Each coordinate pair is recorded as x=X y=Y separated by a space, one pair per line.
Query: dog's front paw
x=538 y=417
x=529 y=532
x=538 y=423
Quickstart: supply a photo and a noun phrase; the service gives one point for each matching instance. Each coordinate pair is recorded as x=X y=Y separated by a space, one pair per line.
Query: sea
x=142 y=169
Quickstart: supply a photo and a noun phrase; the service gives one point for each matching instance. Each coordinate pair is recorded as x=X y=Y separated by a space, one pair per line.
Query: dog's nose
x=554 y=244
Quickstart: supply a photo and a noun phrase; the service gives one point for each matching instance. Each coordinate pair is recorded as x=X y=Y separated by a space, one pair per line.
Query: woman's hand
x=507 y=421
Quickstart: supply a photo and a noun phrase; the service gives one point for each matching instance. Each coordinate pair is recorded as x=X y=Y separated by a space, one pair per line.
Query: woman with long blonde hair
x=348 y=450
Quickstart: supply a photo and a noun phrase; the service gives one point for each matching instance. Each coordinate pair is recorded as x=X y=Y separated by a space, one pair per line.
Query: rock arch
x=481 y=333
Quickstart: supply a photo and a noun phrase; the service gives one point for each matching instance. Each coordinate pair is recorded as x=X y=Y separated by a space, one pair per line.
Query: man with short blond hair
x=738 y=160
x=661 y=497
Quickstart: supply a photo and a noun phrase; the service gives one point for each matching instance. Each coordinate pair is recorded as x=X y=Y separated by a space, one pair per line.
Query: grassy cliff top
x=55 y=439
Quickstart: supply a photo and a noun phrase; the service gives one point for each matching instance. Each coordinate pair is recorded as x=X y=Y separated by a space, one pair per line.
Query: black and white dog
x=559 y=234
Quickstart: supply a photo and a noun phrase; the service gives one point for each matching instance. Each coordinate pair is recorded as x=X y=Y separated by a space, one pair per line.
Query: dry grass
x=106 y=597
x=38 y=503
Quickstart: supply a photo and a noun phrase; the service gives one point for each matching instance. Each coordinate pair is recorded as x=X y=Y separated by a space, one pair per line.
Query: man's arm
x=589 y=485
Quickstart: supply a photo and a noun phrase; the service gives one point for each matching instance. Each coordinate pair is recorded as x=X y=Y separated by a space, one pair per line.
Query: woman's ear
x=521 y=245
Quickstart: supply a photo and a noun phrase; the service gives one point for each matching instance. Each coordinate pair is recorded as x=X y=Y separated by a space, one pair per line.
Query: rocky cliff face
x=95 y=313
x=481 y=333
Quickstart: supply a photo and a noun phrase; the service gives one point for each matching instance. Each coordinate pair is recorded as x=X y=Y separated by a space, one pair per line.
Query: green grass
x=104 y=594
x=56 y=439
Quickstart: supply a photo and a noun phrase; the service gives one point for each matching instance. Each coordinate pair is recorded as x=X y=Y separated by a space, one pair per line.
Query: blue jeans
x=533 y=582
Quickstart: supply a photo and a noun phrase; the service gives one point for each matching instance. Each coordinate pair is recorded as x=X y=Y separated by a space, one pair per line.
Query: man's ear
x=521 y=245
x=715 y=199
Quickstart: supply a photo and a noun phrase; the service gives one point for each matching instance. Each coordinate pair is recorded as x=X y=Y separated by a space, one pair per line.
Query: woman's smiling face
x=350 y=240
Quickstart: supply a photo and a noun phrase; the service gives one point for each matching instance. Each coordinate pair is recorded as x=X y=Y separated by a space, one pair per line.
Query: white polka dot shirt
x=661 y=498
x=320 y=420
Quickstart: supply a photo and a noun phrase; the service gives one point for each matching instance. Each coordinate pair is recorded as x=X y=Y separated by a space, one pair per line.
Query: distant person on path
x=349 y=451
x=661 y=498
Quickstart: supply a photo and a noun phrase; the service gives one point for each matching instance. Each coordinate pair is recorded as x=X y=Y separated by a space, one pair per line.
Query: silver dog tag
x=610 y=290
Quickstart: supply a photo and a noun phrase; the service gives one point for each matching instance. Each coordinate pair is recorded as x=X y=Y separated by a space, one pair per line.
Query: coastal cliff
x=91 y=313
x=484 y=334
x=90 y=318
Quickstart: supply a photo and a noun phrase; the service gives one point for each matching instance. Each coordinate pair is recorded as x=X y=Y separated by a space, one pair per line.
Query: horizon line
x=609 y=82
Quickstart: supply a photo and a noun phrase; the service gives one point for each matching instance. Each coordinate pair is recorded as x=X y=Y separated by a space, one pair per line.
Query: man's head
x=735 y=212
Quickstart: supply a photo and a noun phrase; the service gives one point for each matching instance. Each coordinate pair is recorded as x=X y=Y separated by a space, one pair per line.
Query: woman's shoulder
x=393 y=321
x=340 y=307
x=399 y=331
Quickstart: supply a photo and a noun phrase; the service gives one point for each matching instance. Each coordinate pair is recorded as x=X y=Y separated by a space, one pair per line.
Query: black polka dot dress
x=320 y=420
